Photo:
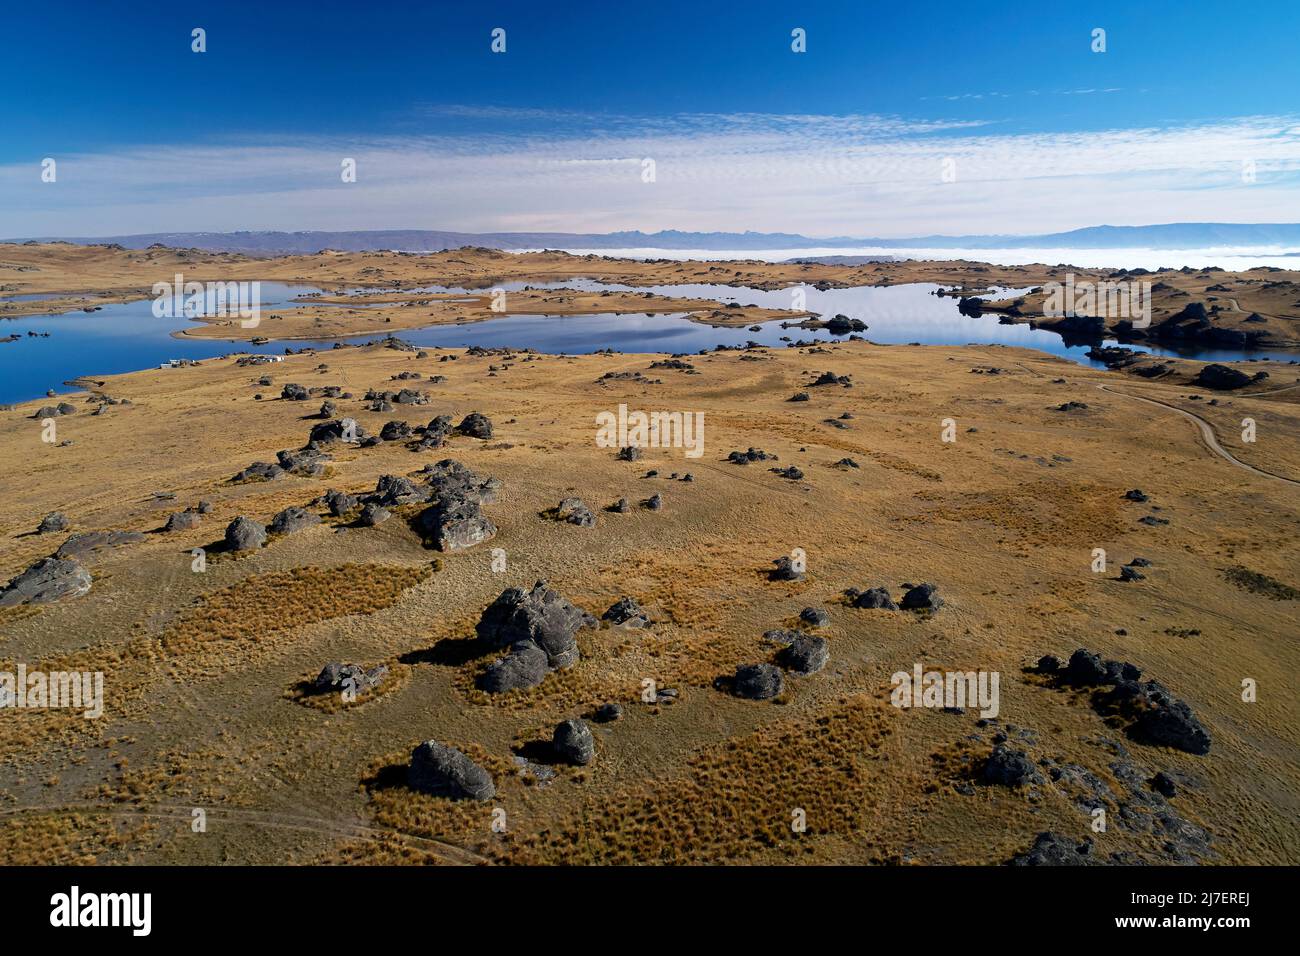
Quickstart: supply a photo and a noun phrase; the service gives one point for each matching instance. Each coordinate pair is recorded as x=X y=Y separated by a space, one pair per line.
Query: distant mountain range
x=1178 y=235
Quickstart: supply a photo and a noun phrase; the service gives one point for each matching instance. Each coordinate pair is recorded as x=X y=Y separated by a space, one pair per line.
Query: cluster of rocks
x=385 y=400
x=749 y=455
x=830 y=378
x=456 y=521
x=918 y=597
x=1156 y=715
x=55 y=411
x=309 y=462
x=539 y=629
x=841 y=324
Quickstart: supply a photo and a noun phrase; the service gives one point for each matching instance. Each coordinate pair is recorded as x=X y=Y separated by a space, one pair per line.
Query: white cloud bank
x=573 y=172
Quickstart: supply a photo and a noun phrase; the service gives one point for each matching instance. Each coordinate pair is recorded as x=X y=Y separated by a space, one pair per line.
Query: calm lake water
x=127 y=337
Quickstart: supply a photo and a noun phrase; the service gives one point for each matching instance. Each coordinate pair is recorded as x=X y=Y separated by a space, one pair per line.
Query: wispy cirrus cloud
x=496 y=168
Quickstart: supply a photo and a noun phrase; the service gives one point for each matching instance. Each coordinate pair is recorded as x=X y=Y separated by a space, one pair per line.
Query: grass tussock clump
x=59 y=839
x=1257 y=583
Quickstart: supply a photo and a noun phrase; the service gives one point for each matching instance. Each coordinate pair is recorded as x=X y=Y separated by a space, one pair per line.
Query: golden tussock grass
x=247 y=616
x=736 y=800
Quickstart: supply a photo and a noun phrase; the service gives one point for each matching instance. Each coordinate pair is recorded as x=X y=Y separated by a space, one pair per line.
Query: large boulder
x=1010 y=768
x=573 y=742
x=575 y=511
x=49 y=579
x=476 y=425
x=1221 y=377
x=443 y=771
x=806 y=654
x=339 y=502
x=525 y=666
x=758 y=681
x=245 y=534
x=923 y=597
x=873 y=598
x=456 y=522
x=293 y=519
x=52 y=522
x=89 y=542
x=541 y=616
x=182 y=521
x=339 y=429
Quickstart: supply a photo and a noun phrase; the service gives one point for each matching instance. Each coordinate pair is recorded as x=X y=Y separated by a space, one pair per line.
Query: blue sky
x=1037 y=132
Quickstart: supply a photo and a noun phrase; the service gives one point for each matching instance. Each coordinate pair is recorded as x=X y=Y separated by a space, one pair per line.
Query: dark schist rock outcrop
x=1052 y=849
x=805 y=654
x=525 y=666
x=785 y=570
x=1154 y=715
x=182 y=521
x=292 y=519
x=923 y=597
x=85 y=543
x=1221 y=378
x=336 y=430
x=1193 y=325
x=871 y=598
x=53 y=522
x=573 y=742
x=245 y=534
x=625 y=612
x=575 y=511
x=49 y=579
x=341 y=678
x=455 y=521
x=476 y=425
x=443 y=771
x=539 y=627
x=757 y=682
x=1010 y=768
x=339 y=503
x=433 y=435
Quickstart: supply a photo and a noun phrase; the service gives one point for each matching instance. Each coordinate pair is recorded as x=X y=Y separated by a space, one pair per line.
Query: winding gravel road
x=1208 y=437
